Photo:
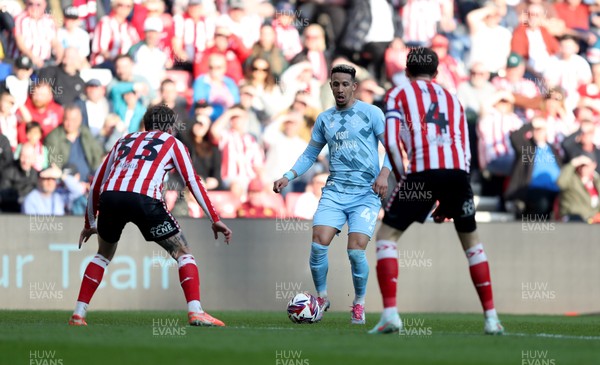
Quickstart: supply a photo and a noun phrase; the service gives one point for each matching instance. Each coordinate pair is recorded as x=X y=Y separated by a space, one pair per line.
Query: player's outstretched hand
x=380 y=186
x=221 y=227
x=280 y=184
x=85 y=235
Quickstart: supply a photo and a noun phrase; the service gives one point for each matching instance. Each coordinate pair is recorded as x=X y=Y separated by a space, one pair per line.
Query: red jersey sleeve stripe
x=95 y=189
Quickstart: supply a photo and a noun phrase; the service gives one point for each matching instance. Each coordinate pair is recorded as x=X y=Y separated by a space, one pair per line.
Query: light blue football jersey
x=351 y=136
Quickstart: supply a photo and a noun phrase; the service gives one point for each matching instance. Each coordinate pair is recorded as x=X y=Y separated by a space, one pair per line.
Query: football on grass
x=304 y=308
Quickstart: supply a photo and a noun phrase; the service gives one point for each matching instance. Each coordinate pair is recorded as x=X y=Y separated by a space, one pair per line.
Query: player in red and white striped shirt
x=35 y=34
x=127 y=188
x=114 y=35
x=427 y=124
x=194 y=32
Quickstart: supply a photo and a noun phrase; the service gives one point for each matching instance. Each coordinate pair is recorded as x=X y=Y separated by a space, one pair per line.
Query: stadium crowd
x=247 y=79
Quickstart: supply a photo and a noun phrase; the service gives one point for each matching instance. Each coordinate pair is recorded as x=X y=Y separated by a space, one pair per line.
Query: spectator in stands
x=94 y=106
x=299 y=77
x=6 y=154
x=89 y=12
x=18 y=180
x=51 y=199
x=128 y=107
x=568 y=70
x=579 y=191
x=476 y=92
x=228 y=45
x=73 y=144
x=169 y=97
x=243 y=158
x=35 y=35
x=148 y=58
x=215 y=88
x=258 y=205
x=18 y=84
x=268 y=96
x=41 y=108
x=72 y=35
x=124 y=74
x=514 y=81
x=157 y=9
x=283 y=145
x=484 y=25
x=582 y=142
x=431 y=15
x=111 y=131
x=257 y=119
x=537 y=167
x=533 y=41
x=450 y=71
x=314 y=50
x=8 y=118
x=66 y=83
x=114 y=35
x=267 y=49
x=576 y=17
x=589 y=94
x=194 y=33
x=395 y=61
x=330 y=14
x=33 y=134
x=206 y=156
x=287 y=37
x=244 y=25
x=370 y=92
x=307 y=203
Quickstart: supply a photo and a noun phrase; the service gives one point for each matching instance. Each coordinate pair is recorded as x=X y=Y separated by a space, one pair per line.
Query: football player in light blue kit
x=352 y=130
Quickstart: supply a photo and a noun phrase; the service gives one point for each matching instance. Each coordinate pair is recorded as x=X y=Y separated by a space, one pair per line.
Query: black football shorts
x=417 y=195
x=117 y=208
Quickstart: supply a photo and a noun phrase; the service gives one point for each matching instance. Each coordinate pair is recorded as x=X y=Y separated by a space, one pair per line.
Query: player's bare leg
x=319 y=263
x=357 y=243
x=189 y=279
x=92 y=279
x=387 y=276
x=480 y=275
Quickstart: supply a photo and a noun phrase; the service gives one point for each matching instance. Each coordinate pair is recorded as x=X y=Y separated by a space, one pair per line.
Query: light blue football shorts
x=359 y=210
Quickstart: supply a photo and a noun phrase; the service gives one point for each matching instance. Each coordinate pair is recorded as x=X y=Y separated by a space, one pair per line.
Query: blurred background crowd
x=247 y=79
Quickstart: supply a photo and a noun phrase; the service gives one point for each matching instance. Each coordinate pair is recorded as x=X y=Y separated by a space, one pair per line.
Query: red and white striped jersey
x=37 y=34
x=242 y=155
x=196 y=36
x=287 y=38
x=112 y=36
x=429 y=124
x=87 y=13
x=138 y=163
x=494 y=131
x=420 y=19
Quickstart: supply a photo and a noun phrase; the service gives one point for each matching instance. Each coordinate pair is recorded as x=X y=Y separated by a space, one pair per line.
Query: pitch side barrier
x=537 y=267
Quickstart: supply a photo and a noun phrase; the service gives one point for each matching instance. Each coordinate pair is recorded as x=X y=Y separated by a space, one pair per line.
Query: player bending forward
x=425 y=123
x=352 y=130
x=127 y=188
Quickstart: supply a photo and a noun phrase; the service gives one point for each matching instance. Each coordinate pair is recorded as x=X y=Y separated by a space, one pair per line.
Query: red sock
x=92 y=278
x=387 y=271
x=480 y=274
x=189 y=278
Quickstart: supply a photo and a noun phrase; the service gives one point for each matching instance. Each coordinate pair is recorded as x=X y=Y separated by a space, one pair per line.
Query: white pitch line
x=551 y=335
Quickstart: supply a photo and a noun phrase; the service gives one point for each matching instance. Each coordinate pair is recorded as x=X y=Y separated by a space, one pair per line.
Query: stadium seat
x=290 y=202
x=225 y=202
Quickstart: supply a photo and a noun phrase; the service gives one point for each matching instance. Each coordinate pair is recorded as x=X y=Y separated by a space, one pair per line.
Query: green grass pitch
x=153 y=337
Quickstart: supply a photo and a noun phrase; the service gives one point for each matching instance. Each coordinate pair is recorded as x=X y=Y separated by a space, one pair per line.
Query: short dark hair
x=345 y=69
x=422 y=61
x=166 y=81
x=32 y=125
x=122 y=56
x=159 y=117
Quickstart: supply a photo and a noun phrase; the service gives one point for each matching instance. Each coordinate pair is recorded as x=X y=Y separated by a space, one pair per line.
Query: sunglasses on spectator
x=34 y=4
x=256 y=68
x=477 y=73
x=122 y=5
x=215 y=67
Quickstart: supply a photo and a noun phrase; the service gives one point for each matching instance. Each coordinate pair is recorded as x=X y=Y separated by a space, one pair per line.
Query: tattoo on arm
x=174 y=244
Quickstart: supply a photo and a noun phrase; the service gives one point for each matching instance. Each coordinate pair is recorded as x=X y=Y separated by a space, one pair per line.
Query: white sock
x=81 y=309
x=359 y=300
x=389 y=312
x=491 y=313
x=195 y=306
x=322 y=294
